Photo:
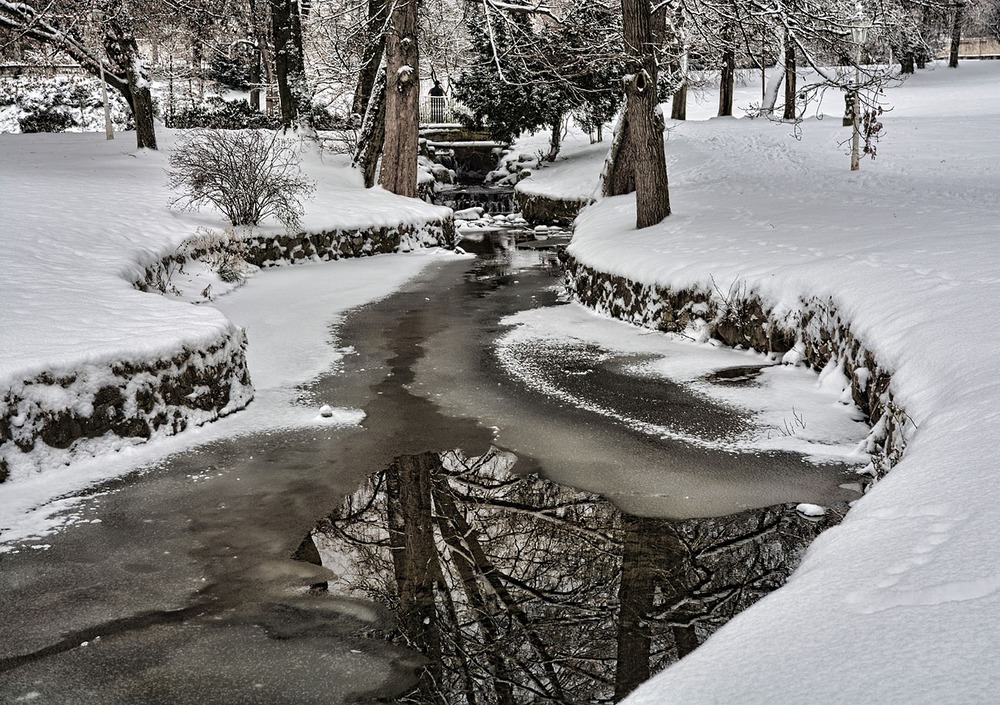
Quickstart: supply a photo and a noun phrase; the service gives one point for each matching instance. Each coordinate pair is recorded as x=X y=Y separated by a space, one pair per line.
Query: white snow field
x=901 y=602
x=81 y=218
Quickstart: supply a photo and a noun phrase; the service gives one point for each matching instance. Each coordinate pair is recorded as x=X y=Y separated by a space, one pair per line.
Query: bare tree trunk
x=771 y=87
x=956 y=34
x=402 y=101
x=256 y=60
x=635 y=599
x=619 y=175
x=678 y=104
x=906 y=62
x=414 y=555
x=142 y=111
x=555 y=140
x=372 y=58
x=640 y=149
x=790 y=80
x=372 y=136
x=123 y=50
x=727 y=83
x=289 y=62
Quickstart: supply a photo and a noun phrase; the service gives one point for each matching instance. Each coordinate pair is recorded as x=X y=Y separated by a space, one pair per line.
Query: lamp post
x=109 y=130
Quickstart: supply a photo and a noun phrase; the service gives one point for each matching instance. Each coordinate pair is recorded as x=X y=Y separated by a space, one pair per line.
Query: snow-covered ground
x=898 y=604
x=82 y=218
x=901 y=602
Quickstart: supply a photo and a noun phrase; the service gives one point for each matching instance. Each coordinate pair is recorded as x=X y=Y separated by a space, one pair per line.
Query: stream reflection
x=517 y=589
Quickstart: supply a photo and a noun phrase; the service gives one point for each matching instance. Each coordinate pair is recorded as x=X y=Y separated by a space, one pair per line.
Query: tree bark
x=372 y=57
x=402 y=101
x=123 y=50
x=555 y=139
x=289 y=61
x=635 y=600
x=415 y=556
x=619 y=175
x=790 y=80
x=727 y=83
x=678 y=104
x=372 y=137
x=637 y=158
x=956 y=34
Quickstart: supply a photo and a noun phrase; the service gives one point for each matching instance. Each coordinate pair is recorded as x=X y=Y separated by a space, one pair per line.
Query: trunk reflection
x=520 y=590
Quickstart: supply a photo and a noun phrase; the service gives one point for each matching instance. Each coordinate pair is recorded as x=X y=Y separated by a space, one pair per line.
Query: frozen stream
x=179 y=585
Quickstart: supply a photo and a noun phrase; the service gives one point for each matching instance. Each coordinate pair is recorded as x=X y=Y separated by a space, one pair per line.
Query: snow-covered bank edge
x=816 y=334
x=133 y=400
x=50 y=417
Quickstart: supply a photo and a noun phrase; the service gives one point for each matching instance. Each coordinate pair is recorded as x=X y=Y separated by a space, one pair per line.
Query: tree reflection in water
x=521 y=590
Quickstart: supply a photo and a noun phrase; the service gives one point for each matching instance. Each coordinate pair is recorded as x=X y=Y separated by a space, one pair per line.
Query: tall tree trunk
x=906 y=62
x=402 y=101
x=790 y=79
x=773 y=85
x=619 y=172
x=256 y=59
x=142 y=110
x=956 y=34
x=643 y=124
x=255 y=81
x=415 y=556
x=372 y=136
x=289 y=62
x=555 y=139
x=123 y=50
x=727 y=83
x=635 y=600
x=372 y=57
x=678 y=104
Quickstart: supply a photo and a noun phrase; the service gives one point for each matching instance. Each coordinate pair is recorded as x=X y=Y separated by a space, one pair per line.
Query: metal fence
x=439 y=110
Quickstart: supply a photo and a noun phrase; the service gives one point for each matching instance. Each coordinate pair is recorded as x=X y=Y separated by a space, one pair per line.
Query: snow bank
x=85 y=219
x=901 y=602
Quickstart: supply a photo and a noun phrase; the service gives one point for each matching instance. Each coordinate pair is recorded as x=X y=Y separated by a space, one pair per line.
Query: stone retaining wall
x=137 y=400
x=543 y=210
x=740 y=319
x=130 y=400
x=335 y=244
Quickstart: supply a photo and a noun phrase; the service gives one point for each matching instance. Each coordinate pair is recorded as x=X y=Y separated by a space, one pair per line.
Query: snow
x=790 y=408
x=901 y=602
x=82 y=218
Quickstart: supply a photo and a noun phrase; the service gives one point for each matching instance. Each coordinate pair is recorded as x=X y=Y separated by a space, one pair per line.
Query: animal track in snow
x=886 y=591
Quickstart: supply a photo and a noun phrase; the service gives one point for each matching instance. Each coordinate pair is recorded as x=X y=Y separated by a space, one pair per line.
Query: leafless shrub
x=247 y=174
x=225 y=253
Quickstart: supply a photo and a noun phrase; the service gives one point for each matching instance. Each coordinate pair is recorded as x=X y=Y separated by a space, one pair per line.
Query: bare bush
x=247 y=174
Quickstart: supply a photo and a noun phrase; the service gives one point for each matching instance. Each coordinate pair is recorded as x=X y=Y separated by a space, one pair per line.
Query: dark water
x=522 y=590
x=190 y=583
x=518 y=588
